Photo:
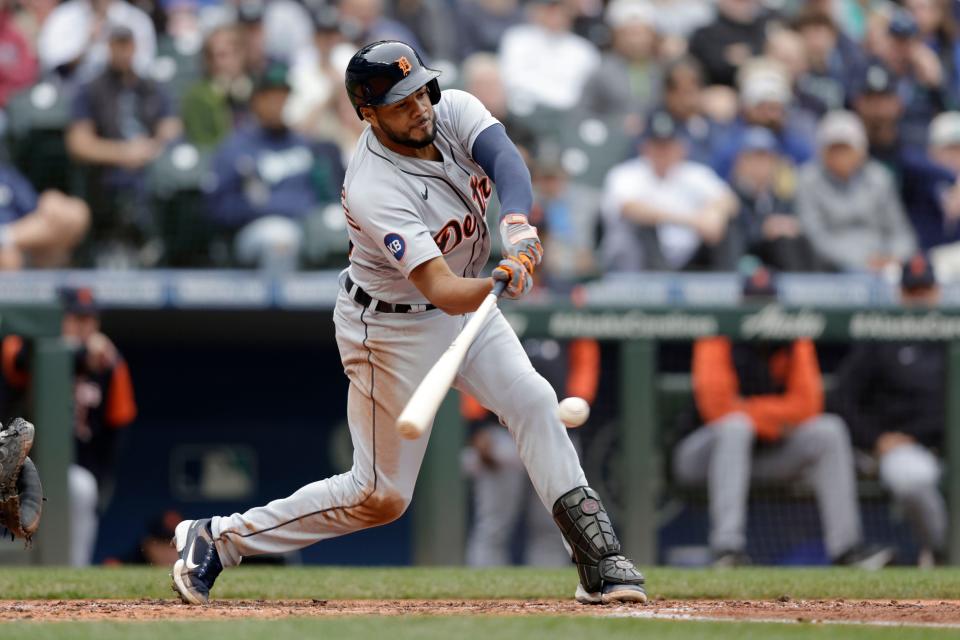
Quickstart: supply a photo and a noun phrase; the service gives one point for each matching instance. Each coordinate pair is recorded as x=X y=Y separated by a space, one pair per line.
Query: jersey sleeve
x=392 y=224
x=467 y=116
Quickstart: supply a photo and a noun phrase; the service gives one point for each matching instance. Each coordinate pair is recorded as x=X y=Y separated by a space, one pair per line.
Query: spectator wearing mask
x=930 y=186
x=267 y=178
x=738 y=33
x=767 y=225
x=628 y=80
x=760 y=418
x=848 y=205
x=104 y=406
x=120 y=122
x=662 y=212
x=78 y=35
x=219 y=102
x=543 y=63
x=37 y=231
x=893 y=395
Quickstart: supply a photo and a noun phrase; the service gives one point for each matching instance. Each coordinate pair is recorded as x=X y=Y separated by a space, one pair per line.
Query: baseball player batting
x=415 y=197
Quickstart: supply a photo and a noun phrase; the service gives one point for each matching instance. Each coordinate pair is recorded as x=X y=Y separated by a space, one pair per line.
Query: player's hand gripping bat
x=422 y=406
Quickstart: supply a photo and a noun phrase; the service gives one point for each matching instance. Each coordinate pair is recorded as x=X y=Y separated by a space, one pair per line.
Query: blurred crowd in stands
x=819 y=135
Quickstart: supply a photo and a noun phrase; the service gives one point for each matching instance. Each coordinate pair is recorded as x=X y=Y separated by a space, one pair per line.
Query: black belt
x=364 y=298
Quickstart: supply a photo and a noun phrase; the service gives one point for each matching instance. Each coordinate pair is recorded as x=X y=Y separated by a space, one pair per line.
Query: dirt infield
x=907 y=612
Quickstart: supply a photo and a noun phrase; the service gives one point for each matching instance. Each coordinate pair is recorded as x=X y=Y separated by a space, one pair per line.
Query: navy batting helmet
x=386 y=72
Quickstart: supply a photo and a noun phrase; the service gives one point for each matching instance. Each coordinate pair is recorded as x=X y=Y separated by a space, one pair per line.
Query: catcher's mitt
x=21 y=495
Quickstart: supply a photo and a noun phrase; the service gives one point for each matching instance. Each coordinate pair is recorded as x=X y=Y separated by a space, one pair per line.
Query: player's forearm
x=456 y=296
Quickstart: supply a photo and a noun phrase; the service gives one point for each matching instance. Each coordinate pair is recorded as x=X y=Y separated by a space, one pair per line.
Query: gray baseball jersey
x=402 y=211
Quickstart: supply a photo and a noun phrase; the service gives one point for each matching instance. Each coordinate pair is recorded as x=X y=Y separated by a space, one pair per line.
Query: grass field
x=455 y=584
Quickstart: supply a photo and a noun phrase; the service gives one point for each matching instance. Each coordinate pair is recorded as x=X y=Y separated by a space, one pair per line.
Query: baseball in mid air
x=573 y=412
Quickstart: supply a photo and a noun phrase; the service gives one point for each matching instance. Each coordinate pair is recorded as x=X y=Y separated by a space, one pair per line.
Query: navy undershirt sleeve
x=499 y=158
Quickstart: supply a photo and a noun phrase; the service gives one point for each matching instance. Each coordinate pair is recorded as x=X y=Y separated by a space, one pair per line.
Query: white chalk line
x=677 y=614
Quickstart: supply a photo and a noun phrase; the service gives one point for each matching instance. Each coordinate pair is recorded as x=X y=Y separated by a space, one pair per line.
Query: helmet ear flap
x=433 y=88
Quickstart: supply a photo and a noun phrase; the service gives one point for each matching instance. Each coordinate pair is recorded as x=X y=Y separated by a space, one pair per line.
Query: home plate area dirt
x=894 y=612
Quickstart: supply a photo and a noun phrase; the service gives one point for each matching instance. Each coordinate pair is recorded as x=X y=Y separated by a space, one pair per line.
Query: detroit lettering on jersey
x=402 y=211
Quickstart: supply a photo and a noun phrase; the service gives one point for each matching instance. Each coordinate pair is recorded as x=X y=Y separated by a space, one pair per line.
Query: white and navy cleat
x=199 y=564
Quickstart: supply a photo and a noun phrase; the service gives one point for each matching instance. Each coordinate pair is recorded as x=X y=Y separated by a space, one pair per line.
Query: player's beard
x=408 y=141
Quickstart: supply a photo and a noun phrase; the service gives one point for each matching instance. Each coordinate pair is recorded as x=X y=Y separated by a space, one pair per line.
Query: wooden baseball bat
x=422 y=406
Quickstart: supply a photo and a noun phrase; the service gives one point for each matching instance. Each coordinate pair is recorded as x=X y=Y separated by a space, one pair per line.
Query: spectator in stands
x=30 y=16
x=104 y=406
x=37 y=231
x=628 y=80
x=767 y=225
x=18 y=64
x=893 y=395
x=503 y=497
x=120 y=122
x=220 y=101
x=366 y=19
x=316 y=78
x=663 y=212
x=677 y=20
x=287 y=29
x=683 y=99
x=78 y=36
x=930 y=186
x=567 y=215
x=482 y=79
x=543 y=63
x=250 y=15
x=937 y=29
x=833 y=61
x=880 y=108
x=848 y=205
x=268 y=178
x=765 y=96
x=918 y=75
x=482 y=23
x=432 y=22
x=760 y=418
x=737 y=33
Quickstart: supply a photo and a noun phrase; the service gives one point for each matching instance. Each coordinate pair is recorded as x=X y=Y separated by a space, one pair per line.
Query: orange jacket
x=716 y=387
x=121 y=407
x=583 y=378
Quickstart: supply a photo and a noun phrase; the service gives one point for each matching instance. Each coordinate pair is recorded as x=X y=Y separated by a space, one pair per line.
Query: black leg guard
x=596 y=550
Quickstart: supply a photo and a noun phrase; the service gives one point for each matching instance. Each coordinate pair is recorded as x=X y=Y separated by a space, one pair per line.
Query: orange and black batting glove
x=519 y=240
x=516 y=276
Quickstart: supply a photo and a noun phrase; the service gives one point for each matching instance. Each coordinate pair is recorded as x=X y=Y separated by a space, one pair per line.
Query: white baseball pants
x=385 y=355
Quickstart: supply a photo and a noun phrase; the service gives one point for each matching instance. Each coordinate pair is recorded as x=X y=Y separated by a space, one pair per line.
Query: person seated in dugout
x=760 y=418
x=893 y=396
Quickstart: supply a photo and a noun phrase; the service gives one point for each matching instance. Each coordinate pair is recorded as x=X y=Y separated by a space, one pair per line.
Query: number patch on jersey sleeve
x=395 y=245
